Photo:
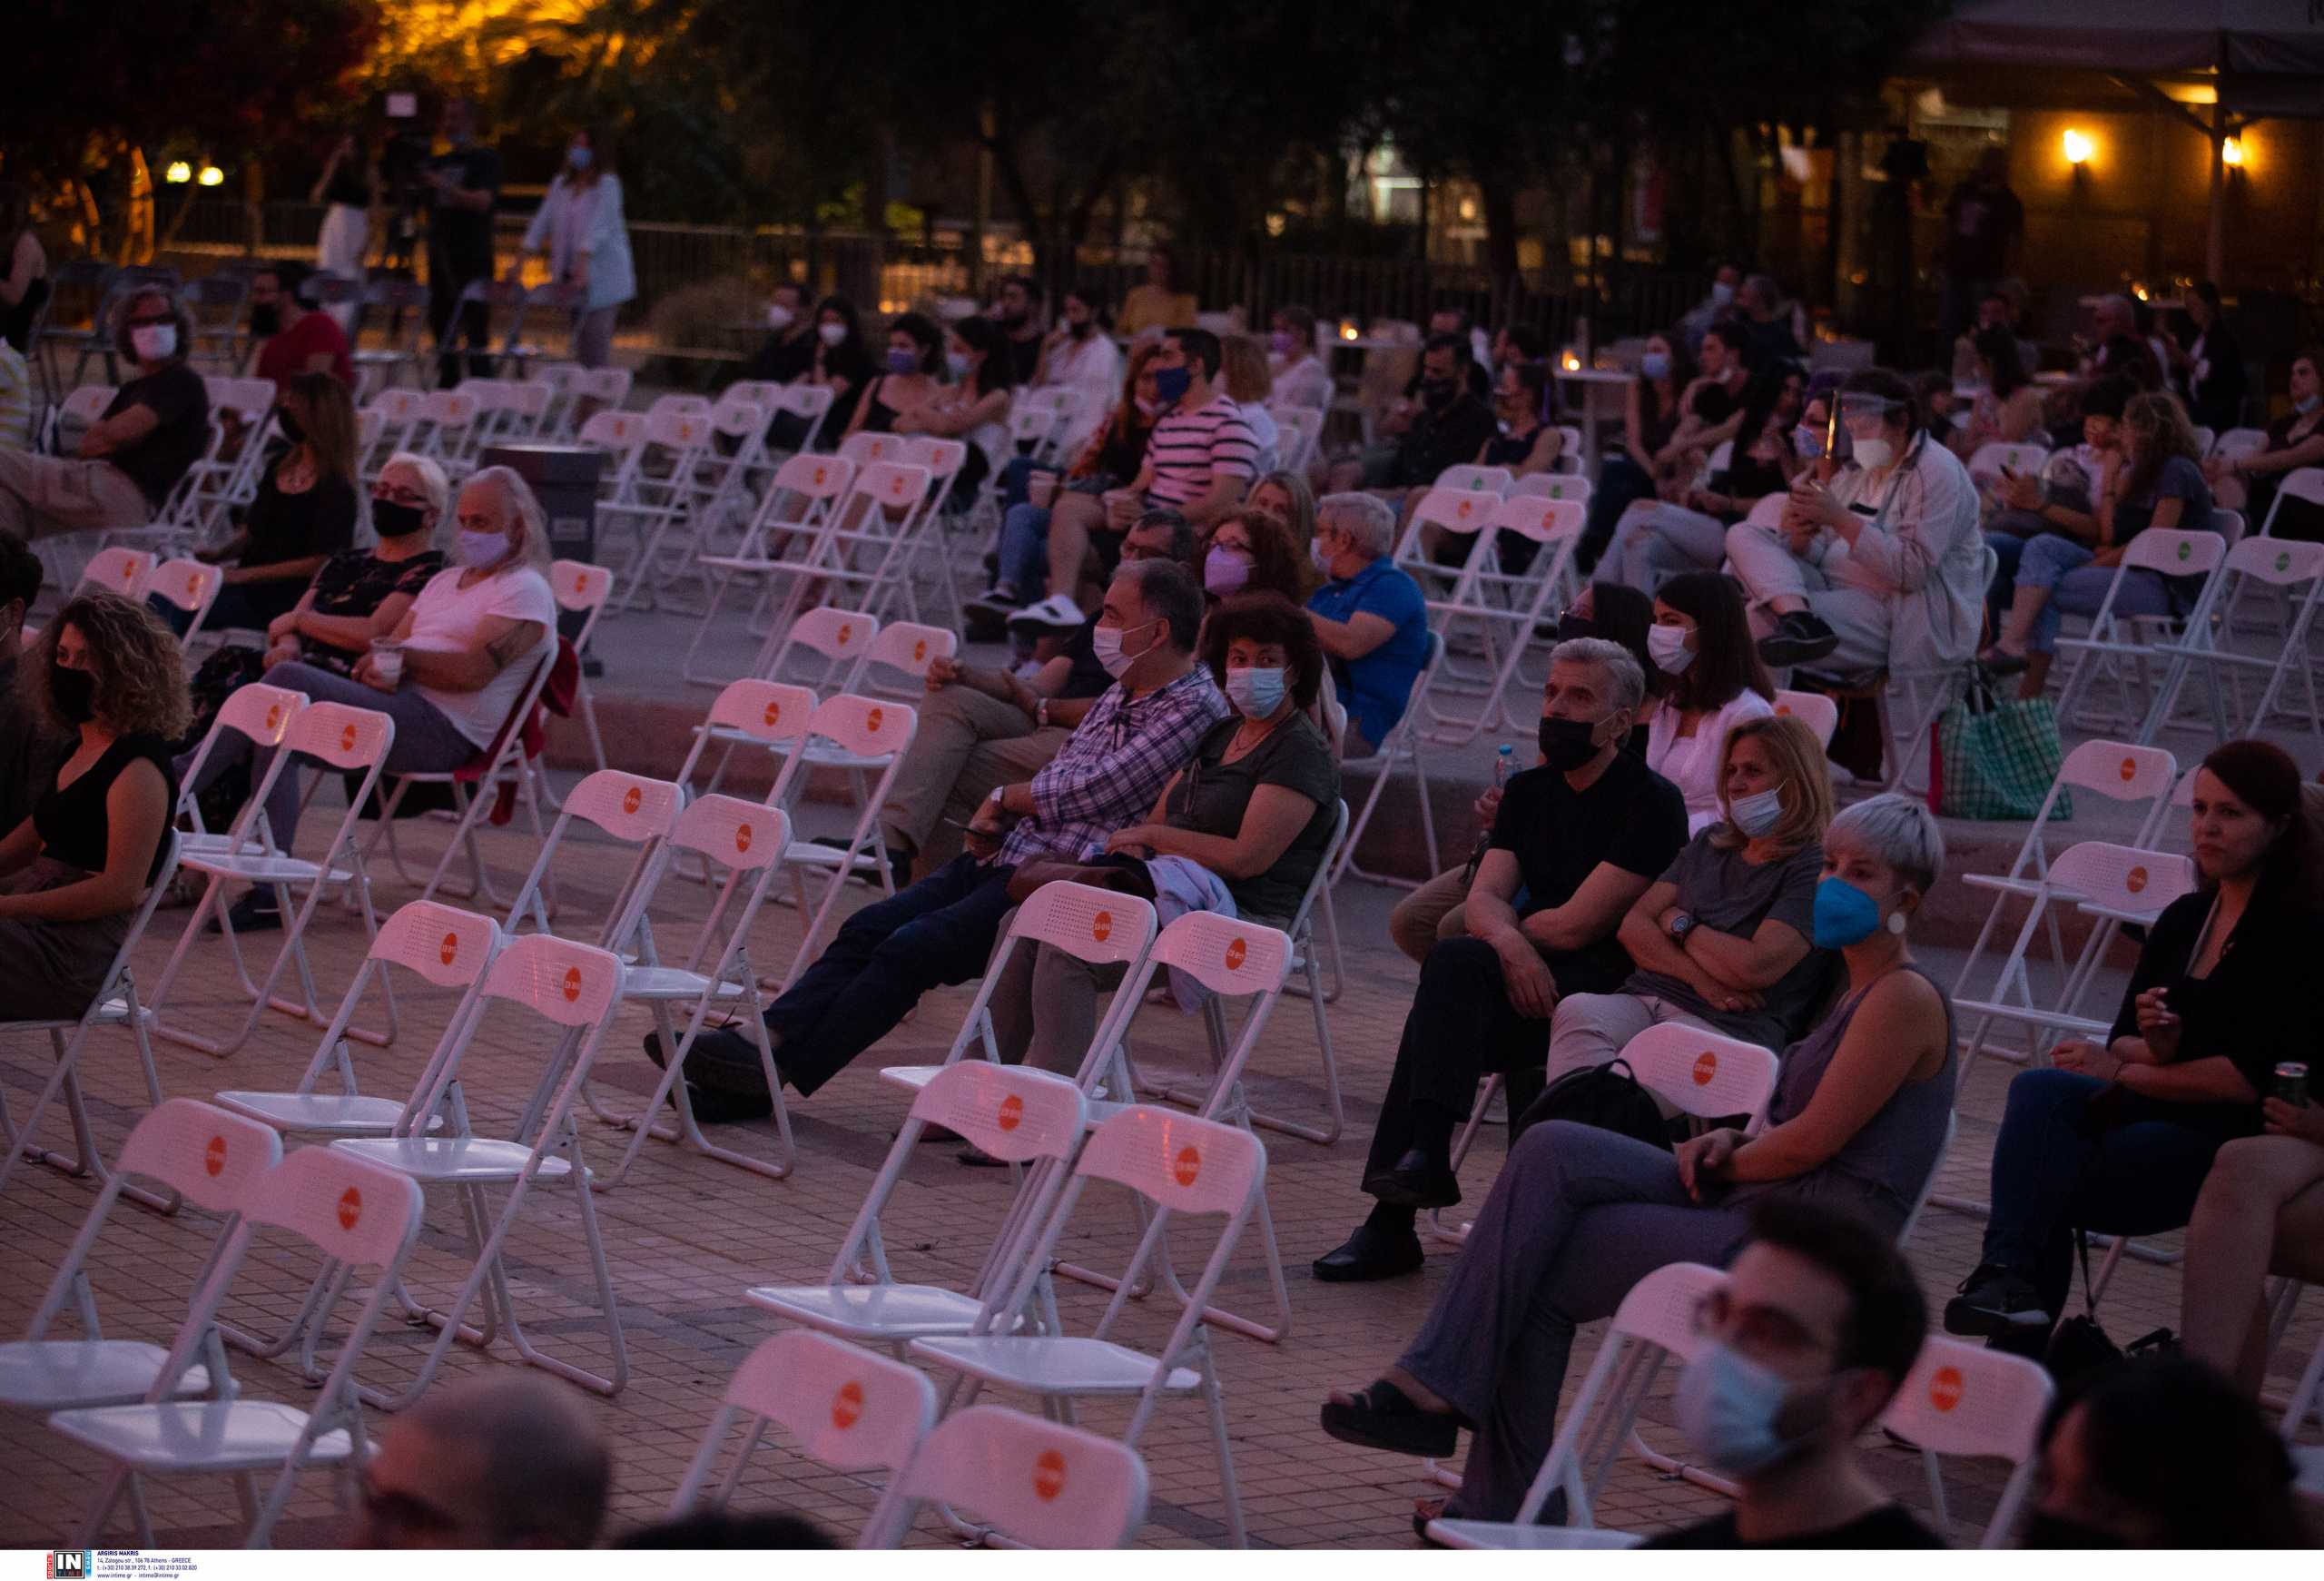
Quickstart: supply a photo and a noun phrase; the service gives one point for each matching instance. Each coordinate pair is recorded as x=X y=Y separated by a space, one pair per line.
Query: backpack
x=1608 y=1096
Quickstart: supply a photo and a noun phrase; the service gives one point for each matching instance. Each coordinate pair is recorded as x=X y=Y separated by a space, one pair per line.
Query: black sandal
x=1384 y=1416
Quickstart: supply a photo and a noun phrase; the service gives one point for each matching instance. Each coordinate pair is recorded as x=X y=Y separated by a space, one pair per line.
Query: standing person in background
x=1158 y=304
x=23 y=268
x=581 y=227
x=1080 y=356
x=345 y=189
x=1984 y=221
x=2209 y=368
x=463 y=186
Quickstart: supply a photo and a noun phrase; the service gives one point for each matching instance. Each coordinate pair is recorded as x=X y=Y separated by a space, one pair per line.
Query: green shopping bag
x=1994 y=760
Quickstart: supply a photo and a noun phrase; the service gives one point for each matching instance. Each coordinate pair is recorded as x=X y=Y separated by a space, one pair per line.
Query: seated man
x=289 y=337
x=28 y=750
x=157 y=427
x=941 y=930
x=1371 y=617
x=980 y=727
x=1580 y=838
x=1450 y=424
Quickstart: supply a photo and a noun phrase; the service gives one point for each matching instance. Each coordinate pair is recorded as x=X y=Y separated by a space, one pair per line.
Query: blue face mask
x=957 y=364
x=1728 y=1406
x=579 y=157
x=902 y=362
x=1655 y=364
x=1845 y=914
x=1171 y=384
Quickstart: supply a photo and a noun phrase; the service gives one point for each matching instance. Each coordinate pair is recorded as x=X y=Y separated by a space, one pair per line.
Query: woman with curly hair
x=109 y=676
x=1251 y=552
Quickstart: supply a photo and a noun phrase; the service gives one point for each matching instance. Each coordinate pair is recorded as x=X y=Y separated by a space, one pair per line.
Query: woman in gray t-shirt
x=1721 y=941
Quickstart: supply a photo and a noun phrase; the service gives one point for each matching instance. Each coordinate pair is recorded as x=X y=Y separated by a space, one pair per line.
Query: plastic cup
x=386 y=659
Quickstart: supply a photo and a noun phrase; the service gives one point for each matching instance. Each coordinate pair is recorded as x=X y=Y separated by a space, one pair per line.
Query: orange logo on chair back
x=2135 y=880
x=449 y=950
x=632 y=799
x=871 y=720
x=2130 y=770
x=772 y=715
x=1101 y=926
x=129 y=574
x=819 y=476
x=741 y=838
x=193 y=585
x=1048 y=1474
x=1236 y=950
x=1781 y=710
x=896 y=485
x=1706 y=1067
x=273 y=717
x=1945 y=1387
x=846 y=634
x=572 y=985
x=919 y=651
x=1186 y=1166
x=1465 y=507
x=347 y=739
x=350 y=1207
x=213 y=1158
x=1011 y=1114
x=847 y=1406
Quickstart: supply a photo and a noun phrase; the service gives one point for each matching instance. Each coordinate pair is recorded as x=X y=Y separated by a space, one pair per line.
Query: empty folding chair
x=809 y=404
x=1469 y=479
x=1298 y=430
x=862 y=556
x=1995 y=456
x=843 y=1407
x=1560 y=485
x=1509 y=595
x=1039 y=1484
x=1180 y=1165
x=444 y=428
x=397 y=411
x=524 y=410
x=116 y=1004
x=658 y=497
x=493 y=399
x=765 y=715
x=1816 y=710
x=117 y=570
x=259 y=713
x=798 y=504
x=2285 y=567
x=357 y=1215
x=404 y=303
x=630 y=809
x=582 y=589
x=191 y=587
x=1402 y=746
x=1965 y=1399
x=861 y=735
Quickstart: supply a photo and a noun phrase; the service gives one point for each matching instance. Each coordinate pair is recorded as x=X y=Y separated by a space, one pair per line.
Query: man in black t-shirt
x=463 y=185
x=1575 y=843
x=157 y=427
x=1451 y=425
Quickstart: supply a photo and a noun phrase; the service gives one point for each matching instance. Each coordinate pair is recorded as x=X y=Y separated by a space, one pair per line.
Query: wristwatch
x=1042 y=712
x=1681 y=925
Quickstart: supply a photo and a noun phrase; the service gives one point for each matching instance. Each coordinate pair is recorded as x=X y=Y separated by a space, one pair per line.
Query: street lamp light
x=2230 y=152
x=178 y=173
x=2077 y=146
x=211 y=175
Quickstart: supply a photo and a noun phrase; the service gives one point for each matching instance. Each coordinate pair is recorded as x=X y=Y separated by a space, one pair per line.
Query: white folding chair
x=577 y=988
x=1039 y=1484
x=1816 y=711
x=821 y=650
x=894 y=663
x=2286 y=567
x=583 y=589
x=259 y=713
x=635 y=811
x=357 y=1216
x=115 y=1003
x=117 y=570
x=845 y=1408
x=1179 y=1165
x=336 y=738
x=658 y=497
x=1307 y=983
x=1468 y=477
x=445 y=426
x=865 y=736
x=1300 y=430
x=620 y=437
x=188 y=584
x=1402 y=746
x=2239 y=442
x=863 y=554
x=2302 y=483
x=396 y=411
x=810 y=403
x=764 y=714
x=2025 y=459
x=1965 y=1399
x=1560 y=485
x=2119 y=646
x=806 y=489
x=1511 y=604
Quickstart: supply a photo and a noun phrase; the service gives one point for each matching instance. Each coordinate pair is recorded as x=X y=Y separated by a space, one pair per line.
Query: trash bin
x=564 y=480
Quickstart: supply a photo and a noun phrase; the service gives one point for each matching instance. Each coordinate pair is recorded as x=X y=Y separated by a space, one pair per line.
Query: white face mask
x=831 y=335
x=1873 y=454
x=1728 y=1406
x=1721 y=293
x=1319 y=555
x=778 y=317
x=1667 y=645
x=1106 y=643
x=477 y=550
x=153 y=342
x=1756 y=815
x=1257 y=693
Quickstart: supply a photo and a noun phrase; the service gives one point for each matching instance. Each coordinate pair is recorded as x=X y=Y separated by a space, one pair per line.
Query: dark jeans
x=445 y=281
x=1016 y=480
x=1620 y=481
x=2008 y=547
x=939 y=932
x=2137 y=1177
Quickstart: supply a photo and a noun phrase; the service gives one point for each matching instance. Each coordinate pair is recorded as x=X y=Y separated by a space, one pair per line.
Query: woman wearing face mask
x=107 y=678
x=304 y=511
x=915 y=357
x=1721 y=940
x=1251 y=553
x=1241 y=829
x=581 y=228
x=1651 y=414
x=1700 y=642
x=1527 y=442
x=1301 y=379
x=972 y=407
x=2247 y=481
x=1658 y=538
x=156 y=427
x=2117 y=1138
x=1579 y=1214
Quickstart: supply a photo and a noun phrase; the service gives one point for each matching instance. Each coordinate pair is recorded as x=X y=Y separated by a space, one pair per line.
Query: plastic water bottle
x=1504 y=765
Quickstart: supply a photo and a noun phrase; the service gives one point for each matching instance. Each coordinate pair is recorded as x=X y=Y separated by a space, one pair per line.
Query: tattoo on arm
x=503 y=650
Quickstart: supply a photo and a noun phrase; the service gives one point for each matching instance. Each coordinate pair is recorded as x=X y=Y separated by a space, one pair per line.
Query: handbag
x=1993 y=759
x=1117 y=871
x=2081 y=1346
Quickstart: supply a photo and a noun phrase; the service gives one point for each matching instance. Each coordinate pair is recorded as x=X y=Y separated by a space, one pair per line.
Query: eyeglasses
x=395 y=496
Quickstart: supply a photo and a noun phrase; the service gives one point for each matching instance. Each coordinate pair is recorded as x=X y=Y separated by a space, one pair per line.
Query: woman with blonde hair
x=1721 y=941
x=108 y=676
x=1243 y=365
x=305 y=511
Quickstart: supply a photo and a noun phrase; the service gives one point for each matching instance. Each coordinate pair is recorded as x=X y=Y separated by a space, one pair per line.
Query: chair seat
x=743 y=563
x=834 y=757
x=466 y=1161
x=327 y=1113
x=2024 y=887
x=740 y=737
x=212 y=1436
x=2143 y=916
x=806 y=854
x=1460 y=1534
x=2000 y=1010
x=46 y=1375
x=673 y=982
x=261 y=869
x=1048 y=1364
x=871 y=1314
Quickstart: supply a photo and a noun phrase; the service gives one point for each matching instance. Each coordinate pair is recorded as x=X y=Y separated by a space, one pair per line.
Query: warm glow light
x=211 y=175
x=1348 y=331
x=180 y=172
x=1572 y=363
x=2077 y=147
x=2231 y=151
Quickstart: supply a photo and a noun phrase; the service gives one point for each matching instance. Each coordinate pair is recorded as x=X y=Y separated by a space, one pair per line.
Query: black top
x=2295 y=517
x=175 y=395
x=1024 y=356
x=784 y=360
x=880 y=418
x=1444 y=437
x=16 y=323
x=2215 y=398
x=1773 y=342
x=297 y=527
x=1123 y=449
x=2259 y=1005
x=1980 y=219
x=463 y=237
x=356 y=582
x=1714 y=402
x=28 y=752
x=1631 y=816
x=1212 y=796
x=348 y=185
x=1889 y=1527
x=70 y=822
x=1510 y=449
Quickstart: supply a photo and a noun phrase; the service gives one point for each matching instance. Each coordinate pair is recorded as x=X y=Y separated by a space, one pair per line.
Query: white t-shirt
x=1306 y=383
x=444 y=619
x=1263 y=434
x=1091 y=369
x=1691 y=763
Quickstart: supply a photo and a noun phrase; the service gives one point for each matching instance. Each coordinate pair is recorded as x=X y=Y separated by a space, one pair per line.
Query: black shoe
x=1994 y=1300
x=1384 y=1416
x=1999 y=663
x=255 y=913
x=1800 y=637
x=723 y=1076
x=1418 y=1181
x=898 y=865
x=1001 y=601
x=1371 y=1253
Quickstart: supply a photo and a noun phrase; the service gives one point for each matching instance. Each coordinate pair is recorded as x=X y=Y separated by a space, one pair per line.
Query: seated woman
x=2260 y=1213
x=304 y=513
x=1721 y=940
x=2248 y=483
x=1284 y=498
x=1301 y=377
x=107 y=676
x=972 y=407
x=1657 y=539
x=2118 y=1138
x=467 y=647
x=1579 y=1214
x=1112 y=458
x=1701 y=645
x=2008 y=409
x=1652 y=416
x=915 y=356
x=1528 y=443
x=1253 y=812
x=1252 y=552
x=2155 y=481
x=1243 y=368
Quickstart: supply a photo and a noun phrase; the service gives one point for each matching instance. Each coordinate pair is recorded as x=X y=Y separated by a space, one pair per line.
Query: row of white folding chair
x=586 y=590
x=805 y=494
x=2270 y=569
x=2119 y=646
x=1060 y=409
x=1957 y=1399
x=1477 y=594
x=1403 y=745
x=151 y=1412
x=1498 y=481
x=2302 y=483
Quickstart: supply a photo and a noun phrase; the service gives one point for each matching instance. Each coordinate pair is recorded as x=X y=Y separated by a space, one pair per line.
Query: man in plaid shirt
x=941 y=930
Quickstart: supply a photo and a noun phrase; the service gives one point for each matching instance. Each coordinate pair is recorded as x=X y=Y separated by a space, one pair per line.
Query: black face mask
x=2044 y=1530
x=1437 y=392
x=267 y=319
x=1081 y=331
x=292 y=428
x=72 y=694
x=1565 y=744
x=1571 y=628
x=393 y=519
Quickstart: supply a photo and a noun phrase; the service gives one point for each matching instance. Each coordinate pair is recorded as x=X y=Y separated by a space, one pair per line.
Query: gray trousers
x=1768 y=571
x=1590 y=1029
x=1656 y=541
x=966 y=744
x=40 y=495
x=1577 y=1217
x=1432 y=913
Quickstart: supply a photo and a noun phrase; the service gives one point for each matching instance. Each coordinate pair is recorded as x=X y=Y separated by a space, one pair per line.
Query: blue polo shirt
x=1376 y=686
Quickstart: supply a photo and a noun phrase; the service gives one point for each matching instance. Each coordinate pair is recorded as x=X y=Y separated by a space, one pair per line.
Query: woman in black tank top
x=107 y=678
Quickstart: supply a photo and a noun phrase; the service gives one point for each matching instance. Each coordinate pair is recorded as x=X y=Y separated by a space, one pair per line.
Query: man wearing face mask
x=1720 y=303
x=1018 y=313
x=789 y=348
x=291 y=337
x=941 y=930
x=1080 y=356
x=1580 y=839
x=1370 y=616
x=157 y=427
x=1815 y=1331
x=1450 y=425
